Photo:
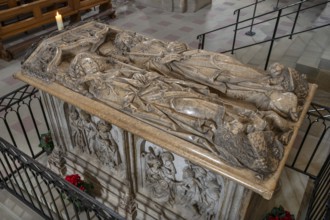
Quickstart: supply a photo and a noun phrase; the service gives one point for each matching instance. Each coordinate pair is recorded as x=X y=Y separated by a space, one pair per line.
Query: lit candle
x=59 y=21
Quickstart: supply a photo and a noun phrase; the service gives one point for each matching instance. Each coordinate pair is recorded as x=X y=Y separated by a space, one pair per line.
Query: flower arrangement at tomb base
x=240 y=116
x=83 y=185
x=46 y=142
x=278 y=213
x=76 y=180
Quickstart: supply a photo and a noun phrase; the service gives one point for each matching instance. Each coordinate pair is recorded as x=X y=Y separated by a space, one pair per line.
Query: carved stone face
x=89 y=65
x=167 y=156
x=103 y=127
x=276 y=69
x=187 y=173
x=155 y=163
x=176 y=47
x=87 y=117
x=124 y=40
x=74 y=115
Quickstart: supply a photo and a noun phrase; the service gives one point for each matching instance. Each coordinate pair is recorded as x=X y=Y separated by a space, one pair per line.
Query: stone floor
x=185 y=27
x=13 y=209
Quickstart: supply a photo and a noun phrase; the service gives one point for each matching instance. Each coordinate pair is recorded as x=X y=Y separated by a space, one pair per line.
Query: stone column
x=53 y=109
x=56 y=162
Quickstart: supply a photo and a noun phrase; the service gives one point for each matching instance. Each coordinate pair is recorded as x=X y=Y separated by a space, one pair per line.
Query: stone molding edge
x=178 y=146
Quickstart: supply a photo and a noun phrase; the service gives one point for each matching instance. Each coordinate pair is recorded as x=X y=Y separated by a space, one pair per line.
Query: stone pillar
x=183 y=5
x=127 y=206
x=53 y=109
x=56 y=162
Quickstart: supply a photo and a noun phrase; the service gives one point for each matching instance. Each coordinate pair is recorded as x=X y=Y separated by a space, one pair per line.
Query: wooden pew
x=22 y=16
x=8 y=3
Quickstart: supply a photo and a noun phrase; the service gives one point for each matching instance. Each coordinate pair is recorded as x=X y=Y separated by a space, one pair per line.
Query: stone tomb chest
x=165 y=131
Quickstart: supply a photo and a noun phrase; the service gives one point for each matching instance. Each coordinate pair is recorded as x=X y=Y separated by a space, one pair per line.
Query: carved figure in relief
x=153 y=81
x=190 y=188
x=169 y=168
x=90 y=130
x=76 y=125
x=198 y=188
x=106 y=148
x=275 y=90
x=160 y=174
x=93 y=138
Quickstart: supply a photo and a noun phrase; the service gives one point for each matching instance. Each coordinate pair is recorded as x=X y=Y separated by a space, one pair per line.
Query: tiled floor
x=185 y=27
x=13 y=209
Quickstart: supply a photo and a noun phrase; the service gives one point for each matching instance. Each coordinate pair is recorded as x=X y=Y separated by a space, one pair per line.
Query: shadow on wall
x=97 y=188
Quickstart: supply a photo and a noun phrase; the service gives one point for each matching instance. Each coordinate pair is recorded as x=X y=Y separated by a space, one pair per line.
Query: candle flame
x=57 y=14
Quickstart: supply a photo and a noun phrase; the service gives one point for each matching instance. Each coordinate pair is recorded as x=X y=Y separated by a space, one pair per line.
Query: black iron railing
x=319 y=206
x=315 y=133
x=23 y=119
x=250 y=32
x=44 y=191
x=276 y=7
x=279 y=13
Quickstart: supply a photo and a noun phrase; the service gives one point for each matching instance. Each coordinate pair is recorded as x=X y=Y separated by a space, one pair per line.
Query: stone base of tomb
x=137 y=178
x=176 y=5
x=135 y=198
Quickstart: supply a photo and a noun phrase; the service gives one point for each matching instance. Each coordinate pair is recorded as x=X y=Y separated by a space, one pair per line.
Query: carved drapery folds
x=242 y=115
x=192 y=187
x=93 y=136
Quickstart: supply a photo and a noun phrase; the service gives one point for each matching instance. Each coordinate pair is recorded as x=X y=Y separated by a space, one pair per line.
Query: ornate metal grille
x=43 y=190
x=23 y=120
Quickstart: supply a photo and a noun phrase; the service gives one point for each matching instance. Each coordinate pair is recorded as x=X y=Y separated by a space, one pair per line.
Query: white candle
x=59 y=21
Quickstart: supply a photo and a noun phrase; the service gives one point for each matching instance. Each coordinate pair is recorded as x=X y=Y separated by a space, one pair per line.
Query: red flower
x=279 y=214
x=76 y=180
x=73 y=179
x=287 y=216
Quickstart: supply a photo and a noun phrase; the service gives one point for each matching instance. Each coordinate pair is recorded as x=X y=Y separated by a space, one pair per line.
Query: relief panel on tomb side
x=176 y=184
x=97 y=140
